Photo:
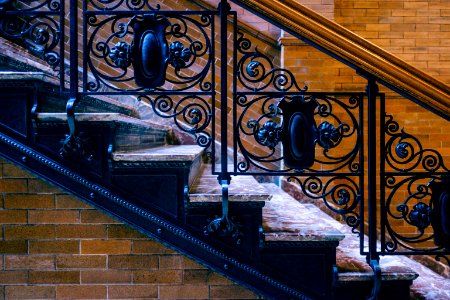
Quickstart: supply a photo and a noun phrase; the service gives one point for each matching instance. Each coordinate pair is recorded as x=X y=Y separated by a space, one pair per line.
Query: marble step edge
x=206 y=189
x=130 y=133
x=287 y=220
x=117 y=118
x=344 y=278
x=163 y=156
x=88 y=102
x=29 y=75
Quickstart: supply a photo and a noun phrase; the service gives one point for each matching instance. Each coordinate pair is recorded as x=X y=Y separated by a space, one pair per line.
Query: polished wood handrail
x=354 y=51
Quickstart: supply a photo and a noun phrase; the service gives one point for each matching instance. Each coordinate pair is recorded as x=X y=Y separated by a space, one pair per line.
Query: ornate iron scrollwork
x=40 y=34
x=299 y=132
x=149 y=61
x=422 y=176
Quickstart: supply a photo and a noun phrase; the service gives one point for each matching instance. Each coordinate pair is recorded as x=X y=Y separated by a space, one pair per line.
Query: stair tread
x=100 y=117
x=161 y=154
x=206 y=188
x=285 y=219
x=352 y=266
x=53 y=80
x=20 y=75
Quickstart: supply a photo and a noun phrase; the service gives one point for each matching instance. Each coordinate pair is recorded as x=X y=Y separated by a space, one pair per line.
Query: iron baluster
x=373 y=257
x=224 y=226
x=70 y=143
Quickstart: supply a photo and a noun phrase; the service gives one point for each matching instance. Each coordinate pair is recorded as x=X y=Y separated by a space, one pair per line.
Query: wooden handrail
x=354 y=51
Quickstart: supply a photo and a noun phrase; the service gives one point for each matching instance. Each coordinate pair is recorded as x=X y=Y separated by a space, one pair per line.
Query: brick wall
x=53 y=245
x=415 y=31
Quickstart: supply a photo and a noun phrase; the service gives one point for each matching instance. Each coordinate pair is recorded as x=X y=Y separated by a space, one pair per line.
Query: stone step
x=167 y=156
x=287 y=220
x=50 y=100
x=241 y=189
x=130 y=133
x=354 y=277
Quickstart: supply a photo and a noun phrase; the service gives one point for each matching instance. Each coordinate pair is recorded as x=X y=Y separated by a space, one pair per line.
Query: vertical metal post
x=223 y=226
x=70 y=107
x=70 y=143
x=224 y=8
x=224 y=176
x=373 y=258
x=62 y=25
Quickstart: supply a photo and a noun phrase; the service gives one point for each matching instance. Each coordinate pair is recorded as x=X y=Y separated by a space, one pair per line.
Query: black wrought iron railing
x=180 y=63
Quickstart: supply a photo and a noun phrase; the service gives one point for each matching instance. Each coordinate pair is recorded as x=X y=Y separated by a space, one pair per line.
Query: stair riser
x=306 y=265
x=247 y=216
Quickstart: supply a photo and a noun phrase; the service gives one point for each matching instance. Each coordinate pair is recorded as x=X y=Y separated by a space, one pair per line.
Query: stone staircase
x=297 y=248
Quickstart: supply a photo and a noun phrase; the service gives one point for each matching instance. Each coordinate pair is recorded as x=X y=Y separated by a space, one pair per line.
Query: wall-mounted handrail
x=354 y=51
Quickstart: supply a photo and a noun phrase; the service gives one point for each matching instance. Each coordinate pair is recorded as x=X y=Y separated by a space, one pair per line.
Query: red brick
x=184 y=292
x=13 y=217
x=170 y=262
x=158 y=276
x=56 y=247
x=105 y=247
x=191 y=264
x=133 y=262
x=53 y=217
x=13 y=185
x=13 y=247
x=54 y=277
x=68 y=201
x=13 y=277
x=231 y=292
x=81 y=231
x=132 y=291
x=150 y=247
x=124 y=232
x=12 y=171
x=30 y=292
x=29 y=201
x=24 y=262
x=106 y=276
x=81 y=292
x=41 y=186
x=81 y=262
x=29 y=232
x=96 y=217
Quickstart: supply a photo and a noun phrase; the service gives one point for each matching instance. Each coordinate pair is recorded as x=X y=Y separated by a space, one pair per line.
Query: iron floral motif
x=420 y=216
x=329 y=136
x=269 y=135
x=179 y=55
x=120 y=55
